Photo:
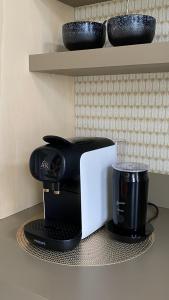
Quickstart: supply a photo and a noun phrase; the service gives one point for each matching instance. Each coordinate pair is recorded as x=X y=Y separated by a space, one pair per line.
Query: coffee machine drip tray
x=53 y=235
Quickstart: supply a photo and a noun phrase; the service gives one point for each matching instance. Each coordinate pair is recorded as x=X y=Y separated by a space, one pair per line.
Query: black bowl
x=84 y=35
x=131 y=29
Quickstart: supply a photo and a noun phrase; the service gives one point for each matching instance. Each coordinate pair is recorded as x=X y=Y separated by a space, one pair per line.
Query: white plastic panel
x=96 y=170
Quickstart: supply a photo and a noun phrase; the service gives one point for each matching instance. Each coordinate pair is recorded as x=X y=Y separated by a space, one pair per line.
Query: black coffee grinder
x=129 y=204
x=74 y=175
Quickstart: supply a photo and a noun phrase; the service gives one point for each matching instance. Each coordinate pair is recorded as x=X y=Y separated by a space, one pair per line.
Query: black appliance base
x=130 y=239
x=52 y=235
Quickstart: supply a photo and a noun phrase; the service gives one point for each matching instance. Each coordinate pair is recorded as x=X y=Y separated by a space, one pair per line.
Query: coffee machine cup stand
x=76 y=176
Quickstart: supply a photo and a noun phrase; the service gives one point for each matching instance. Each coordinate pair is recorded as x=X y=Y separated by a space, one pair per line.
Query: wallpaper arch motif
x=130 y=107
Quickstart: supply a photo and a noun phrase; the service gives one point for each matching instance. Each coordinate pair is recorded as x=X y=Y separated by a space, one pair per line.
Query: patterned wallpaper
x=134 y=107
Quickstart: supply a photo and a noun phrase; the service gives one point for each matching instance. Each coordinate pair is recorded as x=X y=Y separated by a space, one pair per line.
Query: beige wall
x=31 y=105
x=0 y=41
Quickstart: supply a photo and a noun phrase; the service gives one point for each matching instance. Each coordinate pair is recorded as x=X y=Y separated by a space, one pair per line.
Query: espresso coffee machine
x=76 y=178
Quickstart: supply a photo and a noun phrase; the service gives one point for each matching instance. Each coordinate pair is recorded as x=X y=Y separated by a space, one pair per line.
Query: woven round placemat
x=98 y=249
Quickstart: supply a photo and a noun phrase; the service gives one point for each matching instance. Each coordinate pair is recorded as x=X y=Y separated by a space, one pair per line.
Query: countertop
x=24 y=277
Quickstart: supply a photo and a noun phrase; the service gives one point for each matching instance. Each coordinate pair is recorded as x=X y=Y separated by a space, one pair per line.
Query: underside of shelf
x=114 y=60
x=76 y=3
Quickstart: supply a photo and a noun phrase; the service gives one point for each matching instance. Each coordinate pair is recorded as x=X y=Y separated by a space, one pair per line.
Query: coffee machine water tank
x=76 y=177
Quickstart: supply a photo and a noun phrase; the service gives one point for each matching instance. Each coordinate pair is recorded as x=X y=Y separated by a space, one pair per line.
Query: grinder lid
x=131 y=167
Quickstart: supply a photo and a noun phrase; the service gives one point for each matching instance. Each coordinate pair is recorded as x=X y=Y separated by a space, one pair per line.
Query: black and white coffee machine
x=76 y=178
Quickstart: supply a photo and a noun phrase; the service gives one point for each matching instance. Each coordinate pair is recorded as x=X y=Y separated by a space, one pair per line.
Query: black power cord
x=156 y=214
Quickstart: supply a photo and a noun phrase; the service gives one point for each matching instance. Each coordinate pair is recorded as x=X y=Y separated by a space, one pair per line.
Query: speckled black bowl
x=131 y=29
x=84 y=35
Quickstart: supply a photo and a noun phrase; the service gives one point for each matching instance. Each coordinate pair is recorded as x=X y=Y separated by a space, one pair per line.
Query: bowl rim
x=132 y=15
x=82 y=22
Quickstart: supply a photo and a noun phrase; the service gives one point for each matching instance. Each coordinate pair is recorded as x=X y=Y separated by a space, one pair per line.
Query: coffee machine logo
x=45 y=165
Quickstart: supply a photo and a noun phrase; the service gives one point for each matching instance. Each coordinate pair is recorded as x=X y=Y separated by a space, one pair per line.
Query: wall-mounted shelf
x=76 y=3
x=114 y=60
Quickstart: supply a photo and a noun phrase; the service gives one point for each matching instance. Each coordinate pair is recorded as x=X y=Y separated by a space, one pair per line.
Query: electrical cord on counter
x=156 y=214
